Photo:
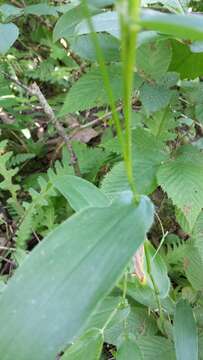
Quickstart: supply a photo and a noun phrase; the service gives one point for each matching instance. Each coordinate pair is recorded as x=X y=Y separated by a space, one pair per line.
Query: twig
x=100 y=119
x=34 y=90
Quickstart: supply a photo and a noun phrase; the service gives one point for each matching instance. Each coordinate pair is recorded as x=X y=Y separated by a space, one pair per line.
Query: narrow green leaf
x=80 y=193
x=185 y=332
x=77 y=264
x=88 y=346
x=8 y=35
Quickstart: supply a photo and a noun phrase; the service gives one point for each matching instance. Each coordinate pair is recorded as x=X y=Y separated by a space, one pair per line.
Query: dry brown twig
x=34 y=90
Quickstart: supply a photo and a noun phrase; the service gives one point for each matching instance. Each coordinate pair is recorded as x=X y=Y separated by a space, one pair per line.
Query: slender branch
x=34 y=90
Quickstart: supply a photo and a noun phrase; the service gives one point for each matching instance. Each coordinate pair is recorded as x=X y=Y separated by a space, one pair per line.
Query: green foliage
x=126 y=85
x=89 y=90
x=81 y=265
x=9 y=34
x=185 y=332
x=182 y=179
x=88 y=346
x=149 y=155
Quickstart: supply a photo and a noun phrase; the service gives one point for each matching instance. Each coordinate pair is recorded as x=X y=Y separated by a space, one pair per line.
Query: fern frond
x=176 y=250
x=39 y=199
x=20 y=158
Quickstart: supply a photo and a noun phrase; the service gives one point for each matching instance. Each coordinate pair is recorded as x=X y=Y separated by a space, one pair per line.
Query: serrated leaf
x=193 y=265
x=89 y=90
x=88 y=346
x=149 y=153
x=129 y=350
x=156 y=348
x=75 y=283
x=160 y=54
x=185 y=332
x=8 y=35
x=80 y=193
x=154 y=97
x=182 y=179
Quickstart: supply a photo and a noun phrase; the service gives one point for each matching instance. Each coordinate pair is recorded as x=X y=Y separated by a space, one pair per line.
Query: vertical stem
x=156 y=290
x=105 y=75
x=129 y=17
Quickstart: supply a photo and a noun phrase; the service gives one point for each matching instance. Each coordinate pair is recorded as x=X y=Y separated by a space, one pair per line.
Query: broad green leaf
x=88 y=346
x=156 y=348
x=180 y=26
x=80 y=193
x=8 y=35
x=10 y=10
x=199 y=112
x=159 y=52
x=193 y=262
x=200 y=343
x=84 y=47
x=103 y=312
x=137 y=322
x=89 y=90
x=182 y=179
x=66 y=24
x=187 y=64
x=154 y=97
x=178 y=5
x=193 y=265
x=107 y=22
x=159 y=272
x=161 y=124
x=149 y=153
x=104 y=22
x=185 y=332
x=92 y=247
x=143 y=294
x=129 y=350
x=40 y=10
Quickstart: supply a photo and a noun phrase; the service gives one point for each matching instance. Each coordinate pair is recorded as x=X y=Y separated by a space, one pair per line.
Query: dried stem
x=34 y=90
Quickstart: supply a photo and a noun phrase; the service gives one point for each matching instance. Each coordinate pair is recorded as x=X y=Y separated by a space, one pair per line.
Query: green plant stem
x=129 y=18
x=156 y=290
x=105 y=75
x=129 y=31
